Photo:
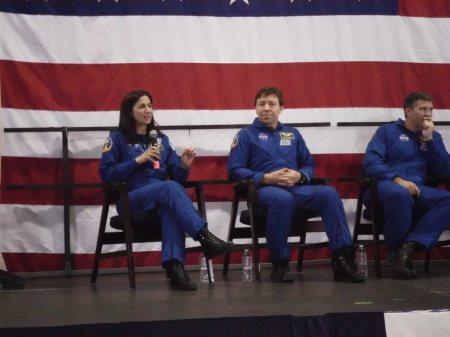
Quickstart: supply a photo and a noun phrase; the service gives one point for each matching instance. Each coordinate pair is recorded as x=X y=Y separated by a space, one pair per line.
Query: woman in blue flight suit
x=130 y=155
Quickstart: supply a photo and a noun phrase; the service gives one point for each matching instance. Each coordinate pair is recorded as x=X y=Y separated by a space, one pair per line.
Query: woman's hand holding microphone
x=152 y=154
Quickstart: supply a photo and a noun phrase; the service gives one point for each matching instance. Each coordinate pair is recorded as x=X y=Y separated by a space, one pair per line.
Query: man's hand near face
x=427 y=129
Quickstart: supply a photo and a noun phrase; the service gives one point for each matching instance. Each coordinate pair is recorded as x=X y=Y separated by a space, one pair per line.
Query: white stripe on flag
x=207 y=142
x=70 y=39
x=320 y=140
x=20 y=118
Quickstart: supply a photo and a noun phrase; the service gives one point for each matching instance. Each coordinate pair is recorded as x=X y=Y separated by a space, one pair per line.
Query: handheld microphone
x=154 y=141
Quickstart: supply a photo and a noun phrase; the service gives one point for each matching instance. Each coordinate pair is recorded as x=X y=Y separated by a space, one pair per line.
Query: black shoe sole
x=183 y=287
x=282 y=280
x=229 y=247
x=404 y=275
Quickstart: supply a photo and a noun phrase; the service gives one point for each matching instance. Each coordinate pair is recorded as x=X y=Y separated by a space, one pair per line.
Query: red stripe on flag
x=95 y=87
x=424 y=8
x=22 y=170
x=38 y=262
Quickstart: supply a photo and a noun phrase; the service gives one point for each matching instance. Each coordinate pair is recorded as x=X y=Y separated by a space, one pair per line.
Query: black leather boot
x=344 y=268
x=281 y=272
x=401 y=260
x=211 y=244
x=179 y=279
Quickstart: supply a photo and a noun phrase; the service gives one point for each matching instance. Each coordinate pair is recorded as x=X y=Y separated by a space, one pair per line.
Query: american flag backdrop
x=68 y=63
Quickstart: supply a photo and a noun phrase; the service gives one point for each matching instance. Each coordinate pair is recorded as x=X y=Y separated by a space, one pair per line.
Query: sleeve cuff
x=184 y=167
x=390 y=176
x=306 y=175
x=258 y=177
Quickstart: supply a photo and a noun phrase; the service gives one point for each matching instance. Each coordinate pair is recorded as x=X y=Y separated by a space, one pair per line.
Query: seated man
x=276 y=158
x=401 y=156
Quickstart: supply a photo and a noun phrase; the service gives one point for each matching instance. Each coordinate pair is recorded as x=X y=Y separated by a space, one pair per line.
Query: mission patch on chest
x=286 y=138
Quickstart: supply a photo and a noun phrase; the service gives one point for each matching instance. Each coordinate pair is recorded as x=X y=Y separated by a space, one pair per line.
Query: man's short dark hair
x=413 y=97
x=270 y=91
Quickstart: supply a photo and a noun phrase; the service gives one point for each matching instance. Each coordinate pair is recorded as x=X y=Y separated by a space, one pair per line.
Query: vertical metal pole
x=66 y=200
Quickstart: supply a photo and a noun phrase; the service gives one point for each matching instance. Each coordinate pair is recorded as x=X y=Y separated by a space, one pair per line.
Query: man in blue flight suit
x=276 y=158
x=403 y=155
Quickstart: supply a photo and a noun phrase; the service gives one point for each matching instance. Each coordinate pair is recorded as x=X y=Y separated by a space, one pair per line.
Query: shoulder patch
x=107 y=145
x=235 y=141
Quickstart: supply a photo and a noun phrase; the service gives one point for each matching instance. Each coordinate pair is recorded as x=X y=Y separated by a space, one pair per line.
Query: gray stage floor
x=52 y=301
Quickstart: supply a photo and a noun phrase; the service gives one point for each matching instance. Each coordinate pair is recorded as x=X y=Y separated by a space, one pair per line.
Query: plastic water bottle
x=247 y=266
x=361 y=261
x=203 y=269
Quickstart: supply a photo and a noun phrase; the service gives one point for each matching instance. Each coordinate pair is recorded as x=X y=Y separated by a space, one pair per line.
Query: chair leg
x=226 y=265
x=301 y=250
x=359 y=206
x=355 y=238
x=130 y=260
x=257 y=264
x=256 y=255
x=128 y=231
x=374 y=210
x=96 y=263
x=426 y=266
x=376 y=254
x=231 y=227
x=98 y=249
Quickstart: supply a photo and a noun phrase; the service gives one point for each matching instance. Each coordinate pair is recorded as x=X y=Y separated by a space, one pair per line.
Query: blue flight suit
x=149 y=188
x=395 y=151
x=258 y=149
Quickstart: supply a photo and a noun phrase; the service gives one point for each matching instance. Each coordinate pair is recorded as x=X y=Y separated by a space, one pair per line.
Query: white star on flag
x=232 y=1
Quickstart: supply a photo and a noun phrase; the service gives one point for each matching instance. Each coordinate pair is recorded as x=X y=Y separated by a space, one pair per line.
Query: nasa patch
x=403 y=138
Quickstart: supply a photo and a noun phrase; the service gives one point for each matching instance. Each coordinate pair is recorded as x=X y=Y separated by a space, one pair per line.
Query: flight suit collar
x=401 y=123
x=259 y=125
x=273 y=152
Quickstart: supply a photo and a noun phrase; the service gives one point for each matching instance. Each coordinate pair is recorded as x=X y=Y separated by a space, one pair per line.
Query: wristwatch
x=303 y=180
